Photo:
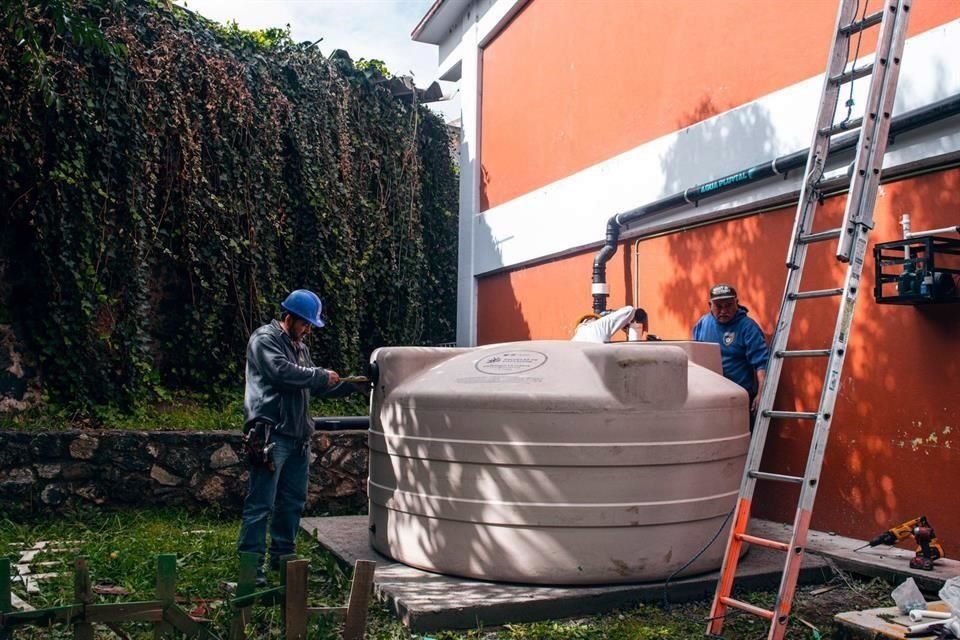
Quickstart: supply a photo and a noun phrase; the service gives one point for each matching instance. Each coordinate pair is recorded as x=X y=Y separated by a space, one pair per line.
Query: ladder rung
x=798 y=415
x=804 y=353
x=841 y=127
x=819 y=293
x=764 y=542
x=829 y=234
x=776 y=477
x=850 y=76
x=746 y=606
x=858 y=26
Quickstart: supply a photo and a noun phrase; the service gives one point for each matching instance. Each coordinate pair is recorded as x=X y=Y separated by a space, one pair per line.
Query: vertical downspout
x=600 y=289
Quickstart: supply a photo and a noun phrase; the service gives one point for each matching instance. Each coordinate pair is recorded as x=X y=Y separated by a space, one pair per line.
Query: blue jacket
x=743 y=349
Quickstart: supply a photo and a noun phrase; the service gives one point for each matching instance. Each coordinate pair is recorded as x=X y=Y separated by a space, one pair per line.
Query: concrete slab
x=427 y=602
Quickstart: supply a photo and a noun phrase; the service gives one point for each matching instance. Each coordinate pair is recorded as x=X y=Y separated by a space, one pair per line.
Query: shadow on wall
x=894 y=424
x=725 y=251
x=500 y=315
x=749 y=253
x=900 y=410
x=912 y=93
x=710 y=151
x=713 y=150
x=484 y=183
x=895 y=417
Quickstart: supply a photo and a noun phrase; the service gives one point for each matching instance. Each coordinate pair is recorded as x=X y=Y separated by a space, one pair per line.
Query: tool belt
x=257 y=446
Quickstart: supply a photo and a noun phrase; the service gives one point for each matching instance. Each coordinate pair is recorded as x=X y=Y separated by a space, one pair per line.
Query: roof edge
x=422 y=25
x=440 y=21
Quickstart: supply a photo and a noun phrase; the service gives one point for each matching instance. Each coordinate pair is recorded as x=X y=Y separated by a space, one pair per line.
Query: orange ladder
x=873 y=128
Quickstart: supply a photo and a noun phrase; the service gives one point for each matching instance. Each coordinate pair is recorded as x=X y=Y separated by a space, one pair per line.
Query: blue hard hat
x=305 y=304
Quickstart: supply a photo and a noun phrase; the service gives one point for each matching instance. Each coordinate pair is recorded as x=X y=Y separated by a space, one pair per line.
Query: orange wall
x=895 y=443
x=568 y=84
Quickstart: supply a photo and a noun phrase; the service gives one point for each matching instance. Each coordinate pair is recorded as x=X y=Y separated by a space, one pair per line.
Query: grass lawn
x=121 y=549
x=172 y=412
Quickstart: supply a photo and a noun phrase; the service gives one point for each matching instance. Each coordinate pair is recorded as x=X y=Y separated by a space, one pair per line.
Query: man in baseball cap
x=743 y=348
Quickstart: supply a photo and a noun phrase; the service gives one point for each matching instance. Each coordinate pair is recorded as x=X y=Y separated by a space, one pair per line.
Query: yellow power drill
x=928 y=549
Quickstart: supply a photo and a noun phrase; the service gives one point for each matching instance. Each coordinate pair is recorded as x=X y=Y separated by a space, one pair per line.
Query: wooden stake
x=295 y=600
x=283 y=582
x=283 y=565
x=82 y=594
x=246 y=584
x=6 y=602
x=355 y=627
x=166 y=592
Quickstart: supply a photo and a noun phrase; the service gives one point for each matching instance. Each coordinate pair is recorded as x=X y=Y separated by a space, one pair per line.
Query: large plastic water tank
x=554 y=462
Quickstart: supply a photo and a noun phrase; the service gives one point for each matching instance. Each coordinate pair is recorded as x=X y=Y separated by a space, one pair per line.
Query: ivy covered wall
x=164 y=181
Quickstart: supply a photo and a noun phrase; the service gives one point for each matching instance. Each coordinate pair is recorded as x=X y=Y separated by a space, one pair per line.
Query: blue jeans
x=280 y=493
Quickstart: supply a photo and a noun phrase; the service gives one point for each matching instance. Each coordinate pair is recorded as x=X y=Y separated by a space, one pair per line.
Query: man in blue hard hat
x=280 y=377
x=743 y=349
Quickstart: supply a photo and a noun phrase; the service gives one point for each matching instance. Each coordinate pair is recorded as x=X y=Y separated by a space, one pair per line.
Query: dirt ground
x=817 y=605
x=812 y=614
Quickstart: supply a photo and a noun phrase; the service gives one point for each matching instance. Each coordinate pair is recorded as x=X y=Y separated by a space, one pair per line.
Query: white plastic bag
x=908 y=597
x=950 y=593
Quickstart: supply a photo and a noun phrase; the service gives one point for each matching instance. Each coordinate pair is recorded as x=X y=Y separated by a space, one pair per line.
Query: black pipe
x=779 y=166
x=341 y=423
x=600 y=265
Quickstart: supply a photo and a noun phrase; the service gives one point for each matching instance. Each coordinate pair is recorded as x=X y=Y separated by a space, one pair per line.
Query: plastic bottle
x=926 y=284
x=907 y=284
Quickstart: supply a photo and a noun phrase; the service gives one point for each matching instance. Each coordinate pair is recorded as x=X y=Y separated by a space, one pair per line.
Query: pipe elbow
x=609 y=247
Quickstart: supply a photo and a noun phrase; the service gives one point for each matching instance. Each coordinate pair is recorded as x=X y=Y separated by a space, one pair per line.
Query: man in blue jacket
x=280 y=377
x=743 y=349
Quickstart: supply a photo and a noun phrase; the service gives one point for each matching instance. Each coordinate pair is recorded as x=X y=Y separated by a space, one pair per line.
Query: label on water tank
x=505 y=363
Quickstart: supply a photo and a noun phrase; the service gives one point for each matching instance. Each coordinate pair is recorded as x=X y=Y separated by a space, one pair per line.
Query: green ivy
x=375 y=65
x=164 y=181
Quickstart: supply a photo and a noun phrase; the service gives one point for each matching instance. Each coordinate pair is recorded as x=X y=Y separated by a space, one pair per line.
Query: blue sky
x=365 y=28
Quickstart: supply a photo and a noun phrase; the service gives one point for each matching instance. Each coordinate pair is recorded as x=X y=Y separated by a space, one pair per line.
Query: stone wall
x=57 y=471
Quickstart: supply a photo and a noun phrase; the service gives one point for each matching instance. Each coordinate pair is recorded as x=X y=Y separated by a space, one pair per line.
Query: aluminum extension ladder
x=852 y=233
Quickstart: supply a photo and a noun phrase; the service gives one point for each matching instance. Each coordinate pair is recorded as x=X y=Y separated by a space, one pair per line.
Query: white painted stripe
x=571 y=213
